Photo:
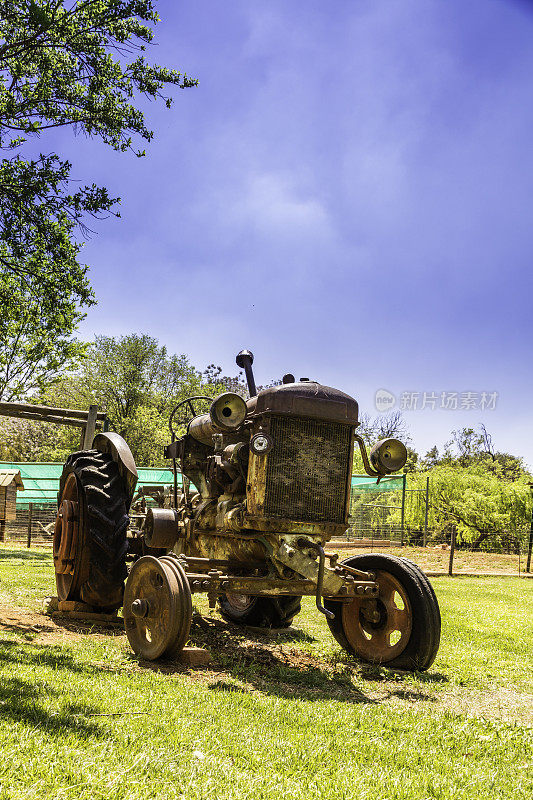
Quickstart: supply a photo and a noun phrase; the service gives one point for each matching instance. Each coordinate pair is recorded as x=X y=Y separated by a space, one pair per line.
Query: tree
x=36 y=345
x=82 y=66
x=468 y=448
x=383 y=426
x=431 y=459
x=125 y=374
x=478 y=502
x=135 y=381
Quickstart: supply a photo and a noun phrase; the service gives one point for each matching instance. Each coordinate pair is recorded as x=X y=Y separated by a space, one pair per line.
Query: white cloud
x=272 y=204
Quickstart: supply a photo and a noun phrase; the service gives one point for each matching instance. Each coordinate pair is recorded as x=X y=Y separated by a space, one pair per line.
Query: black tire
x=261 y=612
x=422 y=645
x=99 y=567
x=436 y=624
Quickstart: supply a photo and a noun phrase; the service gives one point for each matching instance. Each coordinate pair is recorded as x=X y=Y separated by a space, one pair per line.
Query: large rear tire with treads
x=90 y=543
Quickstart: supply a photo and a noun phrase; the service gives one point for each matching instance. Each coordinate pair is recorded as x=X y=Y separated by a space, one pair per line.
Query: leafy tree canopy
x=474 y=449
x=65 y=64
x=135 y=381
x=35 y=341
x=478 y=502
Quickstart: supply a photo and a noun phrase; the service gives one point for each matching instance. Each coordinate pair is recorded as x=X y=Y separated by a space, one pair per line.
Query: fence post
x=30 y=517
x=403 y=506
x=452 y=550
x=530 y=545
x=425 y=539
x=90 y=428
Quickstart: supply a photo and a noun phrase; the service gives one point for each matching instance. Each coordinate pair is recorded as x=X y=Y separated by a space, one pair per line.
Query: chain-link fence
x=33 y=526
x=377 y=520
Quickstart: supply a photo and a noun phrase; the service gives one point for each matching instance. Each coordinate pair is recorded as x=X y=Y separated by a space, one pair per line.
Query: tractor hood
x=305 y=399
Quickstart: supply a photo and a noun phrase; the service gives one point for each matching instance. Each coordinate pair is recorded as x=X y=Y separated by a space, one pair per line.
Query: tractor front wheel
x=401 y=627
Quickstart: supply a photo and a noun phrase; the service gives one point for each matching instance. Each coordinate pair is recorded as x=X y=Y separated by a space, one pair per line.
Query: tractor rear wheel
x=401 y=628
x=90 y=531
x=259 y=612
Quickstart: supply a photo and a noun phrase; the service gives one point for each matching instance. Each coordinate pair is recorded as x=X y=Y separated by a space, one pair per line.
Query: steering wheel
x=188 y=414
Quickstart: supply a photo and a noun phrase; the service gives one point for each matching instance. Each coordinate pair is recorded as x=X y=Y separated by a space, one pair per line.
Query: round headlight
x=261 y=443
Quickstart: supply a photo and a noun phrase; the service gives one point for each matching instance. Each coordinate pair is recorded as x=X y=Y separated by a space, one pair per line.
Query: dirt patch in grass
x=44 y=629
x=436 y=558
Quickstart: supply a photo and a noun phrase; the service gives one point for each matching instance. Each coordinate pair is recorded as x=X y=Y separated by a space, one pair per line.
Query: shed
x=10 y=483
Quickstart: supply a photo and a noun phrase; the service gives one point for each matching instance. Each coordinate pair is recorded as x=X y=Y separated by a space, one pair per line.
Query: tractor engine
x=278 y=463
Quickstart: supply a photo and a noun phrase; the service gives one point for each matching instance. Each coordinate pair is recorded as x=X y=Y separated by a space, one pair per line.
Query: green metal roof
x=41 y=481
x=364 y=483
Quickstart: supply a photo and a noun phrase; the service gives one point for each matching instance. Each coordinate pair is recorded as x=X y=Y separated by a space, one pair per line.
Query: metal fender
x=113 y=444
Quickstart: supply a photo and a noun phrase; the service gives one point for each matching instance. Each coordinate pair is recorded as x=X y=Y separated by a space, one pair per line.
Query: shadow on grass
x=24 y=701
x=26 y=555
x=40 y=655
x=255 y=662
x=28 y=629
x=371 y=672
x=87 y=627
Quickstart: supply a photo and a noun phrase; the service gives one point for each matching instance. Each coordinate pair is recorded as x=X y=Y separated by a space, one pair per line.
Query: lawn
x=289 y=716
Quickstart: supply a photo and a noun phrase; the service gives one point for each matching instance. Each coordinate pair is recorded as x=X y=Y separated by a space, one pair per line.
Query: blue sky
x=348 y=193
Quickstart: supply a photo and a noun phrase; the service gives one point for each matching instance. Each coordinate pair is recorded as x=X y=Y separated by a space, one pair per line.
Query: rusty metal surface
x=388 y=456
x=68 y=541
x=292 y=555
x=378 y=465
x=161 y=528
x=184 y=603
x=275 y=526
x=379 y=630
x=268 y=587
x=307 y=399
x=156 y=608
x=306 y=476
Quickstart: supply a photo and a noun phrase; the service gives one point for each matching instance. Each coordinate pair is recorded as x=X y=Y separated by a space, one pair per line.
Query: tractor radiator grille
x=307 y=470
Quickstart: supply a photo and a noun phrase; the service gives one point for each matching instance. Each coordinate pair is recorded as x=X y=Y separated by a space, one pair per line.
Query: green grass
x=290 y=717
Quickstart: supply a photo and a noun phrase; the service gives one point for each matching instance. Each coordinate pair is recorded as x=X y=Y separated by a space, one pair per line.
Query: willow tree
x=479 y=503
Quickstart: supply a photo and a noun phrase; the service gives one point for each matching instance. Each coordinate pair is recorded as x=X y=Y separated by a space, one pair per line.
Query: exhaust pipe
x=244 y=360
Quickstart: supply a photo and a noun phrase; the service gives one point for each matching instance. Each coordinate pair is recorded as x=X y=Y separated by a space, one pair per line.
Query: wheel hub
x=379 y=630
x=66 y=541
x=240 y=602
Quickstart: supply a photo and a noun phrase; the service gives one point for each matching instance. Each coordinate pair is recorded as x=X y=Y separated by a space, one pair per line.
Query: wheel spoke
x=397 y=619
x=386 y=591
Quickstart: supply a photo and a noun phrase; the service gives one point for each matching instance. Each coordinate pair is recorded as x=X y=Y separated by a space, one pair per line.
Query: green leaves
x=64 y=66
x=35 y=336
x=478 y=502
x=75 y=64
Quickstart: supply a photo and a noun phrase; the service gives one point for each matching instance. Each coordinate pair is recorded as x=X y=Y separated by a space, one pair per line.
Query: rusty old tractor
x=266 y=483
